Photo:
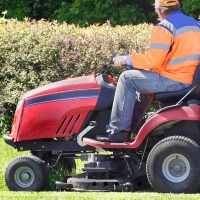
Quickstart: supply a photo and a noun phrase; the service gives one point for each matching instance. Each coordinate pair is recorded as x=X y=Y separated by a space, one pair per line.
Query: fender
x=182 y=113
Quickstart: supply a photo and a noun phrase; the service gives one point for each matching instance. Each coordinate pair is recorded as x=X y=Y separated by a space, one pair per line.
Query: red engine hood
x=70 y=84
x=55 y=110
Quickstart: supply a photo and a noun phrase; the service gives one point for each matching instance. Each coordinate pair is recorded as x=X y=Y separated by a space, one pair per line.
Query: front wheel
x=173 y=165
x=26 y=173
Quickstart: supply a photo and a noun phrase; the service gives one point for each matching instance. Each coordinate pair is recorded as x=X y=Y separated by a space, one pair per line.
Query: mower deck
x=82 y=183
x=114 y=172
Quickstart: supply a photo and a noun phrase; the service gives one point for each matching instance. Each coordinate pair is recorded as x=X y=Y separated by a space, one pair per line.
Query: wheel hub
x=176 y=168
x=24 y=177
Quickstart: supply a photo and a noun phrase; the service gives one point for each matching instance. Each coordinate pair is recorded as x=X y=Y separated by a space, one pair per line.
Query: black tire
x=173 y=165
x=26 y=173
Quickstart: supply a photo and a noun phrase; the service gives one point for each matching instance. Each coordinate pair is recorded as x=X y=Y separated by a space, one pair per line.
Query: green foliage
x=86 y=12
x=35 y=9
x=5 y=122
x=91 y=50
x=82 y=12
x=24 y=59
x=56 y=175
x=191 y=7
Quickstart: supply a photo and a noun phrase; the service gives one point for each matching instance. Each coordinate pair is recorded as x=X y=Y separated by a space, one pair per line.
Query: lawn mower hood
x=59 y=109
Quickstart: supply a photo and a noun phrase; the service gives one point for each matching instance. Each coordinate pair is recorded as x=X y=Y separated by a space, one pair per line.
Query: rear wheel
x=173 y=165
x=26 y=173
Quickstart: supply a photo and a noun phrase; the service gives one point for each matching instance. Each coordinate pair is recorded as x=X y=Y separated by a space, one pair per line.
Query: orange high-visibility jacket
x=175 y=48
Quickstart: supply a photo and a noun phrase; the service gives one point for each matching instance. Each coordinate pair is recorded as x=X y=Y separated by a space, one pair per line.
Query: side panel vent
x=67 y=126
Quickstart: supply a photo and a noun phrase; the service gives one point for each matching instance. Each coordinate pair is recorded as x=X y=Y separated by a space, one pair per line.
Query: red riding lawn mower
x=58 y=124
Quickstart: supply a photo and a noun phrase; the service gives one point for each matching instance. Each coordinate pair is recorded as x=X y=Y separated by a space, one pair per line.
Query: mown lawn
x=95 y=195
x=8 y=153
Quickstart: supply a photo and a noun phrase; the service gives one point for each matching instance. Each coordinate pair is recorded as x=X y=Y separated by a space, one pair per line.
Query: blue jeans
x=131 y=101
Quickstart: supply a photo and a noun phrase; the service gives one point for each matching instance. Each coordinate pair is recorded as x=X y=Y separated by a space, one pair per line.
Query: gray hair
x=167 y=10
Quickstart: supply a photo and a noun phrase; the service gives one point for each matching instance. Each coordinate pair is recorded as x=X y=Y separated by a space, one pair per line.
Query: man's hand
x=119 y=60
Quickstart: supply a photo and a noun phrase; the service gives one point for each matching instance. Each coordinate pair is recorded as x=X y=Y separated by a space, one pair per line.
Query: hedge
x=82 y=12
x=34 y=53
x=87 y=12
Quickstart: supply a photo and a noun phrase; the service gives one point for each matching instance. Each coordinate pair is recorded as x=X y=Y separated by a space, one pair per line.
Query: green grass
x=95 y=195
x=8 y=154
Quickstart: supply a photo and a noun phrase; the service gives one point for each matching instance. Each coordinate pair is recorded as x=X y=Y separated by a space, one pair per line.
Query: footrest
x=107 y=145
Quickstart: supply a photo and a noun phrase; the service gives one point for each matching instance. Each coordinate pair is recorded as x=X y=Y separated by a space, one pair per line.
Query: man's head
x=166 y=7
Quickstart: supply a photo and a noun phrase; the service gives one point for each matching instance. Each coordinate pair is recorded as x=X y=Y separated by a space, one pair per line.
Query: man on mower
x=169 y=65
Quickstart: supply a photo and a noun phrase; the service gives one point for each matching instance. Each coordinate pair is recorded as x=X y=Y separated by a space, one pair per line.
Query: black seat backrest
x=176 y=96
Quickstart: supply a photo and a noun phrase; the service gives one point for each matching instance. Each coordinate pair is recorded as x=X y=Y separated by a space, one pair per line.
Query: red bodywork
x=55 y=110
x=183 y=113
x=58 y=110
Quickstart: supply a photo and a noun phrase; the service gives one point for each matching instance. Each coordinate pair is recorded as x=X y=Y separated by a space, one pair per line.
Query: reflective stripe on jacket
x=175 y=48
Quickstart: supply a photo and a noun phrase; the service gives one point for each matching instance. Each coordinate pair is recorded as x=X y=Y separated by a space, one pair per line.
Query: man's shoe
x=119 y=137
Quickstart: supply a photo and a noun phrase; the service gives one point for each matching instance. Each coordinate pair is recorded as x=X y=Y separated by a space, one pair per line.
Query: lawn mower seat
x=169 y=97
